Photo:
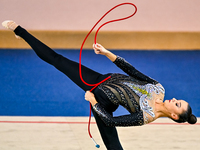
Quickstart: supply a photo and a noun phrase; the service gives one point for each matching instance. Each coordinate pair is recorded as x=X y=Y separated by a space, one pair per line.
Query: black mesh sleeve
x=135 y=119
x=131 y=71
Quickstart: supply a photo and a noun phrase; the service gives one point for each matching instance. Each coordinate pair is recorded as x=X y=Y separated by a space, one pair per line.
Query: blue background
x=31 y=87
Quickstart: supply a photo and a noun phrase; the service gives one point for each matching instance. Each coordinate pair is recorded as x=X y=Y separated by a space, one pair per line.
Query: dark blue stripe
x=31 y=87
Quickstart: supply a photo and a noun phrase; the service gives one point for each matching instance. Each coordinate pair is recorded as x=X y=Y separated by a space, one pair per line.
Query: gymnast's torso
x=136 y=92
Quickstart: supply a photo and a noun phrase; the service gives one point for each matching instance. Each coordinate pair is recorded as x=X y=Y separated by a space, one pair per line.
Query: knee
x=57 y=59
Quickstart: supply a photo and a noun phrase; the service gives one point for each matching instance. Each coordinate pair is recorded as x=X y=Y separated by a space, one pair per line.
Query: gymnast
x=141 y=95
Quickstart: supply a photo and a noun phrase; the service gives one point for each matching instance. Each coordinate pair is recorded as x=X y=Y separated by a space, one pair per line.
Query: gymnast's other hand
x=89 y=96
x=99 y=49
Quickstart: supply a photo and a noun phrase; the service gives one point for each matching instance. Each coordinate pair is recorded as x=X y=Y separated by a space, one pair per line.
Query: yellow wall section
x=109 y=39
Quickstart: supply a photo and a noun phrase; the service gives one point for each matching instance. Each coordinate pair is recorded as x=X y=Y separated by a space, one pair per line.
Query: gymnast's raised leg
x=71 y=69
x=68 y=67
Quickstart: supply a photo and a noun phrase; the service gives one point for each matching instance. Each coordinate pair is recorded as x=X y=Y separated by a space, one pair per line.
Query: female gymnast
x=141 y=95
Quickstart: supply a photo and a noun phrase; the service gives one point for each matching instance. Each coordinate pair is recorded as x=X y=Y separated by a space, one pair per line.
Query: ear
x=174 y=116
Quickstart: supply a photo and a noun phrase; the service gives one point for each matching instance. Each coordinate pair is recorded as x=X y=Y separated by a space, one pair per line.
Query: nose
x=174 y=100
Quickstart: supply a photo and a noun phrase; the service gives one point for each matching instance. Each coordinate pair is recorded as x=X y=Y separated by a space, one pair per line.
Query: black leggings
x=71 y=69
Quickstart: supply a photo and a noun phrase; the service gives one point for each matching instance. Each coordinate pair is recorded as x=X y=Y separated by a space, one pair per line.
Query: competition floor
x=70 y=133
x=30 y=87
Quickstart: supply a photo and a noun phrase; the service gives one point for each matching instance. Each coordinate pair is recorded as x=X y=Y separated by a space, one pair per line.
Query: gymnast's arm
x=131 y=71
x=134 y=119
x=123 y=64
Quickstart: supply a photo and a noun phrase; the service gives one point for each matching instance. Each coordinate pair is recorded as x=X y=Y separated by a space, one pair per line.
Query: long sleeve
x=131 y=71
x=134 y=119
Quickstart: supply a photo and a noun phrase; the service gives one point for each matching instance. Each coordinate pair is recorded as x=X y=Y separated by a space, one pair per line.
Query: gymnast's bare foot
x=11 y=25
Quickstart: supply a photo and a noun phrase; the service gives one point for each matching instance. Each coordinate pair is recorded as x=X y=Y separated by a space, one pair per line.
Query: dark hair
x=187 y=116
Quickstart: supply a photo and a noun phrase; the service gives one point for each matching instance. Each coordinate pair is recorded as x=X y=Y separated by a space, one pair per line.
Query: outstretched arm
x=121 y=63
x=99 y=49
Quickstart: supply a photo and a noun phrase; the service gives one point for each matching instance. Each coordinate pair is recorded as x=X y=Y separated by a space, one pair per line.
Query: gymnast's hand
x=99 y=49
x=89 y=96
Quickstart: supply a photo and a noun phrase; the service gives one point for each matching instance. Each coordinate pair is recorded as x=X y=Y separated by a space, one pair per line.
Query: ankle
x=12 y=25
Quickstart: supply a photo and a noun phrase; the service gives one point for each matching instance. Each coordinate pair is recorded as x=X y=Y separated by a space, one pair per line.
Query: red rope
x=95 y=39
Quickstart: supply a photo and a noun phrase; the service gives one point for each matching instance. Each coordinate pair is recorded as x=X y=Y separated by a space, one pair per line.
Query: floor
x=70 y=133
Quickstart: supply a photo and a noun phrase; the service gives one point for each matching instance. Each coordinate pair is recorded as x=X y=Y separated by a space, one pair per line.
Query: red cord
x=95 y=39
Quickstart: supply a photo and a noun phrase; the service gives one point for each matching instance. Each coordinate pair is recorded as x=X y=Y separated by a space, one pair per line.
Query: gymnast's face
x=175 y=107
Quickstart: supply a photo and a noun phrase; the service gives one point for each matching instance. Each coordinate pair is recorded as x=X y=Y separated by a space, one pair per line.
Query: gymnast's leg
x=70 y=68
x=108 y=134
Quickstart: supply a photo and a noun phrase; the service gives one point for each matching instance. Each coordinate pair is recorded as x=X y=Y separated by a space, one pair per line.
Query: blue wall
x=31 y=87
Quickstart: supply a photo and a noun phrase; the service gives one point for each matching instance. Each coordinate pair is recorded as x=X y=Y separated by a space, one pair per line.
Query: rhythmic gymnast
x=141 y=95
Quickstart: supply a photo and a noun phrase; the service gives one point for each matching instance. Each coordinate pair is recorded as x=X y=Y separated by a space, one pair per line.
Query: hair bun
x=192 y=119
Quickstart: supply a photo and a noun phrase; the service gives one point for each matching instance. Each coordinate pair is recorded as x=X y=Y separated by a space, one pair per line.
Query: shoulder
x=160 y=88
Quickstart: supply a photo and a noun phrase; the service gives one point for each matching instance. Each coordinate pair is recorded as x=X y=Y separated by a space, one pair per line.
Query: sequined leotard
x=133 y=92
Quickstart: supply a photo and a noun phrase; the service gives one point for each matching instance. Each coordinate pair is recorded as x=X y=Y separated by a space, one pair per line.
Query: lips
x=169 y=100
